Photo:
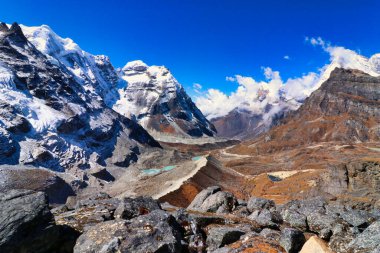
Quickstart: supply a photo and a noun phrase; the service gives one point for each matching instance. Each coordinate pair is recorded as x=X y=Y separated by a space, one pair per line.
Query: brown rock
x=315 y=245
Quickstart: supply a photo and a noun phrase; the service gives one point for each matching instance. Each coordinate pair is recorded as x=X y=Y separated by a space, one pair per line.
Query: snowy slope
x=148 y=94
x=52 y=118
x=159 y=103
x=94 y=72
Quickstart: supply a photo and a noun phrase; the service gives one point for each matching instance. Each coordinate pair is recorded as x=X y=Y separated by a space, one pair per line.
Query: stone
x=157 y=231
x=266 y=218
x=214 y=200
x=315 y=245
x=252 y=243
x=341 y=237
x=295 y=219
x=292 y=240
x=255 y=203
x=202 y=196
x=133 y=207
x=321 y=223
x=271 y=234
x=27 y=225
x=88 y=212
x=35 y=179
x=219 y=236
x=367 y=241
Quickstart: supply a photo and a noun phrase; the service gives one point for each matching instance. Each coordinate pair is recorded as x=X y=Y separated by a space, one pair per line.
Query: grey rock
x=341 y=237
x=214 y=200
x=367 y=241
x=266 y=218
x=295 y=219
x=292 y=240
x=321 y=223
x=133 y=207
x=27 y=225
x=71 y=202
x=202 y=196
x=270 y=234
x=35 y=179
x=155 y=232
x=219 y=236
x=255 y=203
x=357 y=218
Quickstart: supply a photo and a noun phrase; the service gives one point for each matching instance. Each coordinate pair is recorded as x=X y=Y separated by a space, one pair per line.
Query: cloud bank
x=278 y=94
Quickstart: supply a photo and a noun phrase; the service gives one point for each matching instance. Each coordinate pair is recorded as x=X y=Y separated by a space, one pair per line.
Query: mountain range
x=63 y=107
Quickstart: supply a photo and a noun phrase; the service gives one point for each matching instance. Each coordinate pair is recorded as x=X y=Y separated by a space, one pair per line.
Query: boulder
x=255 y=203
x=133 y=207
x=214 y=200
x=27 y=225
x=202 y=196
x=252 y=243
x=35 y=179
x=155 y=232
x=88 y=212
x=292 y=240
x=322 y=223
x=342 y=235
x=270 y=234
x=295 y=219
x=266 y=218
x=222 y=235
x=367 y=241
x=315 y=245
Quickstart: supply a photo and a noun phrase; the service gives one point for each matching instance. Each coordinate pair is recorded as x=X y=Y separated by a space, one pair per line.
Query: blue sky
x=205 y=41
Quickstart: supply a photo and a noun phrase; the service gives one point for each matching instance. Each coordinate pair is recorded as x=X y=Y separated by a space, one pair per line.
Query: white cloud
x=230 y=79
x=286 y=57
x=197 y=86
x=255 y=96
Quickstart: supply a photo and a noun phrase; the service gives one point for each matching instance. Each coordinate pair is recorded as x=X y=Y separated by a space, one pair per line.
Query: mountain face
x=155 y=99
x=243 y=124
x=149 y=95
x=54 y=119
x=260 y=115
x=345 y=108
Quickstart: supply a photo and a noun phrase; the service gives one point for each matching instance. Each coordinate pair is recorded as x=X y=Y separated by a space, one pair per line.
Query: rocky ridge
x=150 y=95
x=48 y=118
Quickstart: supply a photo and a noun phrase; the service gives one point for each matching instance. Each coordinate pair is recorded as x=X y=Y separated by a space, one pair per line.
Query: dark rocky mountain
x=48 y=119
x=345 y=108
x=244 y=125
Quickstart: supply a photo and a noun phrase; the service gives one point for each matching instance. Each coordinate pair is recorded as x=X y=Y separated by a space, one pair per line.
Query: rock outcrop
x=27 y=225
x=153 y=232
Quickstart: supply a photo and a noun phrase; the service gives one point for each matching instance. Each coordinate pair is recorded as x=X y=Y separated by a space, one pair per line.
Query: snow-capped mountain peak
x=154 y=98
x=145 y=93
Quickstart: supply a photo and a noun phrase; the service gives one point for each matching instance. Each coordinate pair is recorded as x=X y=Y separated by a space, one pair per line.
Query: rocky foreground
x=216 y=221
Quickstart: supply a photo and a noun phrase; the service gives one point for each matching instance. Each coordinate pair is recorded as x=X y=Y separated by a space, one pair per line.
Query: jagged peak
x=136 y=65
x=3 y=27
x=339 y=72
x=14 y=32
